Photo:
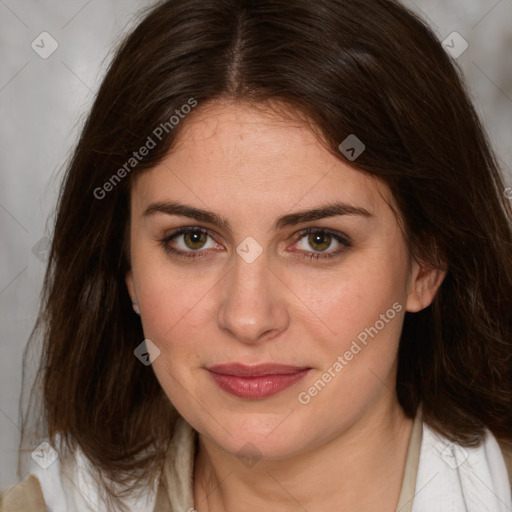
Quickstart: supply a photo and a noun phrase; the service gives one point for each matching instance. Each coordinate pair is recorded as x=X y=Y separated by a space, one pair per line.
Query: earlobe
x=424 y=284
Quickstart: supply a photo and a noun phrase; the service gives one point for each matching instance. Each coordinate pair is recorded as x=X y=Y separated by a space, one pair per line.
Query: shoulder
x=44 y=485
x=26 y=496
x=68 y=484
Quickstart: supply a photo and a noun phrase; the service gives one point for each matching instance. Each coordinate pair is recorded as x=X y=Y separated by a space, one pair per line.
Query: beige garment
x=27 y=496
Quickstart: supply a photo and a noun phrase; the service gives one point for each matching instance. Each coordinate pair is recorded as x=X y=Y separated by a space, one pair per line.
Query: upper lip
x=241 y=370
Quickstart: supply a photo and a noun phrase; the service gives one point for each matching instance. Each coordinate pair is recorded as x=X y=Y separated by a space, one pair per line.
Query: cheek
x=178 y=316
x=168 y=293
x=171 y=307
x=173 y=319
x=354 y=297
x=362 y=314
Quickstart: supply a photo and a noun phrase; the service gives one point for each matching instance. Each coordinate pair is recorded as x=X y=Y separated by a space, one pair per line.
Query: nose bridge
x=253 y=306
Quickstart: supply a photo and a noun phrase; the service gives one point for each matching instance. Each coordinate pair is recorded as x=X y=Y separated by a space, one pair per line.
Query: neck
x=358 y=469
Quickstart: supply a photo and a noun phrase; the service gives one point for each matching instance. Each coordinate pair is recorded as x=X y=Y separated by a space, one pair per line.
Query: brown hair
x=364 y=67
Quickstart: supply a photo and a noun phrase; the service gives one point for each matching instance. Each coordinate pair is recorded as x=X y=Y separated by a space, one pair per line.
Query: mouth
x=256 y=382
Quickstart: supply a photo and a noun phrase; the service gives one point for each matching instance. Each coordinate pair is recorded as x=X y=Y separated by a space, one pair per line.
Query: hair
x=365 y=67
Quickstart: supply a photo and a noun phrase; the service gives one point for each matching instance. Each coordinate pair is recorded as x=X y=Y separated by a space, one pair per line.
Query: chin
x=267 y=435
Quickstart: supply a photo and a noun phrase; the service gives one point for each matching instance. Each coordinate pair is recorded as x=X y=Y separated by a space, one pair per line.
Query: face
x=250 y=284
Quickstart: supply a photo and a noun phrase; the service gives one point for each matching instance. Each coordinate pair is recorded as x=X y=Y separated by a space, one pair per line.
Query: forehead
x=254 y=155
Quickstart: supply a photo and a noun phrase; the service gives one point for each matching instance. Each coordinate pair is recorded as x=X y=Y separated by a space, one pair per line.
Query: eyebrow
x=329 y=210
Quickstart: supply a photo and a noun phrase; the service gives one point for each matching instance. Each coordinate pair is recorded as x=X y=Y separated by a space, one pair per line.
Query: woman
x=280 y=274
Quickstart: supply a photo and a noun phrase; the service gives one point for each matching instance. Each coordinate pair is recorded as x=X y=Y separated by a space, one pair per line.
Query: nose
x=253 y=306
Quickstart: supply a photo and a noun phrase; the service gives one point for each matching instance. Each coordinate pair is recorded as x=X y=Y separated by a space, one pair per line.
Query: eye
x=188 y=240
x=320 y=240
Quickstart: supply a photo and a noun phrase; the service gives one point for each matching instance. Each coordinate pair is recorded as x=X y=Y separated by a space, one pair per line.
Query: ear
x=424 y=282
x=129 y=284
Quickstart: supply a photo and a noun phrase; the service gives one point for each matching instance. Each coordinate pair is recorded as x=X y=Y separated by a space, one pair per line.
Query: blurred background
x=53 y=54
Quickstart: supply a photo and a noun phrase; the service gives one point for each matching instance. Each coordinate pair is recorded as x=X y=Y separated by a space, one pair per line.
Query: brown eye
x=319 y=241
x=195 y=239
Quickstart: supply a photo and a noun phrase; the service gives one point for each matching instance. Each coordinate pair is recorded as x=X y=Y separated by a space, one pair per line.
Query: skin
x=252 y=166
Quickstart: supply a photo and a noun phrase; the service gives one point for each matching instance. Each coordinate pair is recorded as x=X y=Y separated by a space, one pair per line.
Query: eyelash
x=311 y=256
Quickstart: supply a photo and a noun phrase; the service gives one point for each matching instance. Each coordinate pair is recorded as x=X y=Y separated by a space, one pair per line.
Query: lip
x=258 y=381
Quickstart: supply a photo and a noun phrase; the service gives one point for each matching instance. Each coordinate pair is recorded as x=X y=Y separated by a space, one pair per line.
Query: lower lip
x=256 y=387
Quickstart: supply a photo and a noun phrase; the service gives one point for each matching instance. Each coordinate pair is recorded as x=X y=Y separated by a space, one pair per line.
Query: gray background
x=43 y=103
